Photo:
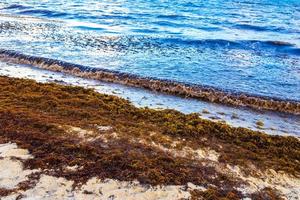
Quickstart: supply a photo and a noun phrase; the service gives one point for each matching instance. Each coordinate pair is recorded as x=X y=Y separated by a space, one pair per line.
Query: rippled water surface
x=236 y=45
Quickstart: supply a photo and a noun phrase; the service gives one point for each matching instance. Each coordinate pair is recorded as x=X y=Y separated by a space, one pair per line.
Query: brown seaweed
x=34 y=115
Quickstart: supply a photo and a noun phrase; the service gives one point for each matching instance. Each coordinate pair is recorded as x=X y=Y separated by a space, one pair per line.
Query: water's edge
x=274 y=123
x=166 y=86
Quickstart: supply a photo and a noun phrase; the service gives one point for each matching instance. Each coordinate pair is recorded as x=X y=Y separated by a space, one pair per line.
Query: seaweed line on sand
x=78 y=134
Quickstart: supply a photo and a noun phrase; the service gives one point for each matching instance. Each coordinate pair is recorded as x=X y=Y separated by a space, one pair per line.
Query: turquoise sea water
x=236 y=45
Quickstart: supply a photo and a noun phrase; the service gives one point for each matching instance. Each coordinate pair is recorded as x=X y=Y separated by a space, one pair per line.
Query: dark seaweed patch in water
x=279 y=43
x=280 y=47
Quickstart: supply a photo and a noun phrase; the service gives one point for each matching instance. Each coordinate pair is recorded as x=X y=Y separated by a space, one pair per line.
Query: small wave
x=210 y=29
x=172 y=17
x=192 y=5
x=185 y=25
x=144 y=31
x=42 y=12
x=257 y=28
x=172 y=87
x=206 y=42
x=116 y=16
x=265 y=28
x=89 y=28
x=19 y=19
x=16 y=6
x=258 y=45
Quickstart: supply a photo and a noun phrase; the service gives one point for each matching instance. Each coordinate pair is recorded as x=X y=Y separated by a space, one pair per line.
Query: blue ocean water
x=250 y=46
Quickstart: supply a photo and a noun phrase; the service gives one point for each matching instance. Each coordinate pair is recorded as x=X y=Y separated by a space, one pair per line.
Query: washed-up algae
x=34 y=115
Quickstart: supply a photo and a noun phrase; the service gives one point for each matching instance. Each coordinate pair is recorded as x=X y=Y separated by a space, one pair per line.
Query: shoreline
x=209 y=94
x=274 y=123
x=65 y=126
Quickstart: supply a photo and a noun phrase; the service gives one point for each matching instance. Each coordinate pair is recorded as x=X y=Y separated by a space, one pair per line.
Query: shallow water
x=236 y=45
x=274 y=123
